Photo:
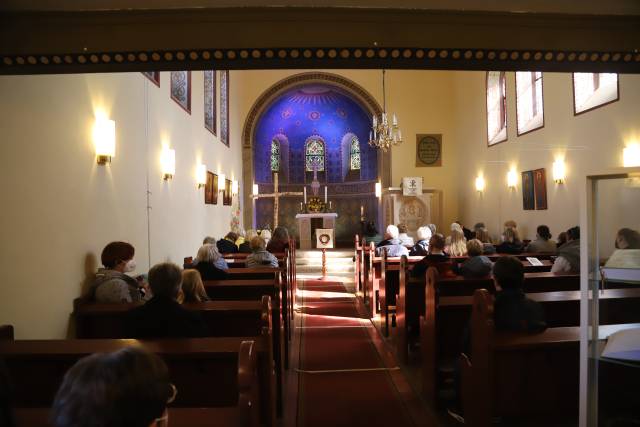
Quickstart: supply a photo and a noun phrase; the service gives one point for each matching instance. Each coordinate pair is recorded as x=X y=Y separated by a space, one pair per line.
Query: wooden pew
x=6 y=332
x=518 y=375
x=359 y=259
x=229 y=374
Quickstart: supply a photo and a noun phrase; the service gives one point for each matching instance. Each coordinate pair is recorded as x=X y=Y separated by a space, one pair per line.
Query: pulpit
x=308 y=222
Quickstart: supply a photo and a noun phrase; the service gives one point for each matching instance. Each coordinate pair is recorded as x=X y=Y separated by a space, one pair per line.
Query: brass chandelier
x=383 y=134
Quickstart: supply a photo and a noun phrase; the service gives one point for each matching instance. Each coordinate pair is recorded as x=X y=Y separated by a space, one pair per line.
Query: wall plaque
x=428 y=150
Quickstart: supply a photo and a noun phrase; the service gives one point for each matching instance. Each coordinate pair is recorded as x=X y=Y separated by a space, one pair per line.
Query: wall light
x=104 y=139
x=234 y=187
x=378 y=189
x=255 y=189
x=559 y=171
x=479 y=184
x=631 y=155
x=201 y=175
x=512 y=179
x=168 y=162
x=221 y=182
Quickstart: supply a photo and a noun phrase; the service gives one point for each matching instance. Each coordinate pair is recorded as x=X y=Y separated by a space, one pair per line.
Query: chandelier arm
x=384 y=93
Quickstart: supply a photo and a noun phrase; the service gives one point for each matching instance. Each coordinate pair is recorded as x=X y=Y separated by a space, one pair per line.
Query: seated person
x=162 y=316
x=245 y=247
x=192 y=287
x=477 y=265
x=513 y=311
x=371 y=233
x=510 y=224
x=435 y=258
x=456 y=243
x=228 y=244
x=209 y=240
x=421 y=248
x=279 y=240
x=543 y=242
x=433 y=229
x=129 y=387
x=111 y=284
x=511 y=243
x=562 y=239
x=487 y=246
x=468 y=234
x=568 y=260
x=403 y=236
x=392 y=245
x=259 y=256
x=627 y=238
x=240 y=240
x=210 y=263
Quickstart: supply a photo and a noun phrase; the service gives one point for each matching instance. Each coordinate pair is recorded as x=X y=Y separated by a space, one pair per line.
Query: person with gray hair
x=392 y=244
x=390 y=234
x=209 y=240
x=210 y=263
x=421 y=248
x=403 y=236
x=433 y=228
x=162 y=316
x=260 y=257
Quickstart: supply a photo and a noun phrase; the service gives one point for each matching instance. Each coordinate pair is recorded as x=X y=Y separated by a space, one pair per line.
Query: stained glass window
x=275 y=156
x=355 y=154
x=314 y=154
x=591 y=90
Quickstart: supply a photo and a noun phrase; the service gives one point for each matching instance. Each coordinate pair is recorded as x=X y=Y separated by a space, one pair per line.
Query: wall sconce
x=378 y=189
x=631 y=155
x=512 y=179
x=234 y=187
x=201 y=175
x=168 y=162
x=255 y=190
x=559 y=171
x=480 y=184
x=221 y=182
x=104 y=139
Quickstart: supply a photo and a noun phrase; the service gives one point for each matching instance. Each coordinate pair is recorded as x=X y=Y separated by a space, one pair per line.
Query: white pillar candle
x=304 y=189
x=361 y=210
x=325 y=194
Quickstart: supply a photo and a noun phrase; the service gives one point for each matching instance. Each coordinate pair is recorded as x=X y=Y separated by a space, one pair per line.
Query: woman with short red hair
x=111 y=284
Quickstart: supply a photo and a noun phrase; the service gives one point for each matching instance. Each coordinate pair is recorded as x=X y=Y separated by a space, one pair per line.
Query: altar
x=308 y=222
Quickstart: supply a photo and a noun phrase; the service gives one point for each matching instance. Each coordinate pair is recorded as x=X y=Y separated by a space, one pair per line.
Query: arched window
x=496 y=107
x=354 y=155
x=275 y=156
x=314 y=154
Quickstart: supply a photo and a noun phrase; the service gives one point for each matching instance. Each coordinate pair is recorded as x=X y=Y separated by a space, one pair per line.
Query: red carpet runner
x=342 y=380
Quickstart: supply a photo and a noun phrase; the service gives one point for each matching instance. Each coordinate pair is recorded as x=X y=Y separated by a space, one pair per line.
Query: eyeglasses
x=164 y=421
x=174 y=393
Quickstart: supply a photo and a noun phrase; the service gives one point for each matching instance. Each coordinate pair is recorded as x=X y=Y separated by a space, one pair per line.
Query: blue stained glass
x=275 y=156
x=314 y=153
x=355 y=154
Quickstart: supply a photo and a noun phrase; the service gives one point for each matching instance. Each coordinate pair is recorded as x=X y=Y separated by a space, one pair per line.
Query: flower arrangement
x=315 y=204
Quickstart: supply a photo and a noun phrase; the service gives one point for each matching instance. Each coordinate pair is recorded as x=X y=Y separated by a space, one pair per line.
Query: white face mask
x=130 y=266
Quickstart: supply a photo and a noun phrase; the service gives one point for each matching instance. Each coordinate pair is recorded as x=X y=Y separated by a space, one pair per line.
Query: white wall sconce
x=480 y=184
x=378 y=189
x=104 y=139
x=201 y=175
x=512 y=179
x=559 y=171
x=255 y=189
x=221 y=182
x=234 y=187
x=168 y=162
x=631 y=155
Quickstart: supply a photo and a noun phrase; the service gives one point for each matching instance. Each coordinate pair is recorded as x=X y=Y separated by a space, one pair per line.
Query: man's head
x=231 y=236
x=573 y=233
x=508 y=273
x=627 y=239
x=402 y=228
x=543 y=232
x=165 y=280
x=474 y=247
x=436 y=243
x=392 y=232
x=424 y=233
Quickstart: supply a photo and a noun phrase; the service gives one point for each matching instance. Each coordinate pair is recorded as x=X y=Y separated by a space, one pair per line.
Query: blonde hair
x=192 y=286
x=483 y=235
x=474 y=247
x=250 y=234
x=511 y=235
x=208 y=253
x=457 y=245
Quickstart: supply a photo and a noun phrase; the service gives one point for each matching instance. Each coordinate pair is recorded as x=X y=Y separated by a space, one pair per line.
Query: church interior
x=163 y=159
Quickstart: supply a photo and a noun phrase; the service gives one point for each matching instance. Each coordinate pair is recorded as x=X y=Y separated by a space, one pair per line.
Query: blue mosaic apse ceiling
x=313 y=110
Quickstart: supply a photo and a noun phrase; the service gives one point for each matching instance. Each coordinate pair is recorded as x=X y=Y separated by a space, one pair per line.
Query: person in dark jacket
x=421 y=248
x=511 y=243
x=162 y=316
x=210 y=263
x=477 y=265
x=435 y=258
x=245 y=247
x=279 y=240
x=228 y=244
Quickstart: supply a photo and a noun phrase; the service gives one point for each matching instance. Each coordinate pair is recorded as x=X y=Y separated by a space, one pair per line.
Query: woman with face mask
x=111 y=284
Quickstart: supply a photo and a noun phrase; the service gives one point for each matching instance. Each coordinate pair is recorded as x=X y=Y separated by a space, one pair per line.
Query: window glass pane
x=591 y=90
x=275 y=156
x=496 y=114
x=355 y=154
x=529 y=101
x=314 y=153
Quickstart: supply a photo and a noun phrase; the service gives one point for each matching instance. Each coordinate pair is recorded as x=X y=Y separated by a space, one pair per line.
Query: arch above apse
x=347 y=86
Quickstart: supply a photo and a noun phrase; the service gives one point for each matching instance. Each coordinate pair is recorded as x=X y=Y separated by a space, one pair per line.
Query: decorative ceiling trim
x=325 y=57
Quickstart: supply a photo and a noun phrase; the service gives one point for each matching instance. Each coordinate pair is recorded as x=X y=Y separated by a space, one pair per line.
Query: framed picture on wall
x=528 y=197
x=210 y=101
x=208 y=189
x=428 y=150
x=227 y=197
x=540 y=188
x=154 y=76
x=224 y=107
x=181 y=89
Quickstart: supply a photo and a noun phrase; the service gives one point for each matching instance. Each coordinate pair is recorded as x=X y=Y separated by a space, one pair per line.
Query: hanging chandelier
x=383 y=134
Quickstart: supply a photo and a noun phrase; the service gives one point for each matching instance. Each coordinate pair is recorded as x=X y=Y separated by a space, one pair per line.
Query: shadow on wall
x=90 y=268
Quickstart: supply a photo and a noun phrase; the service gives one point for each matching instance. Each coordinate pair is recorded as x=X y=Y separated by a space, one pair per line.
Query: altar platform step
x=339 y=264
x=317 y=253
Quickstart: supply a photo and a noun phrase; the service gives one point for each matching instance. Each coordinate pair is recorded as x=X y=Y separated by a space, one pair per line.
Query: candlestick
x=305 y=194
x=325 y=194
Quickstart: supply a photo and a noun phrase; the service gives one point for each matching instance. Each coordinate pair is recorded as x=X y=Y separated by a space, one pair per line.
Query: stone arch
x=353 y=89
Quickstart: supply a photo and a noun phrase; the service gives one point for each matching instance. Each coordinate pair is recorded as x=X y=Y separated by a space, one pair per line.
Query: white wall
x=59 y=208
x=590 y=143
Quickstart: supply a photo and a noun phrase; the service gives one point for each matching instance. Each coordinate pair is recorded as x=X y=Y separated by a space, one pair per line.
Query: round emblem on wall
x=429 y=151
x=324 y=238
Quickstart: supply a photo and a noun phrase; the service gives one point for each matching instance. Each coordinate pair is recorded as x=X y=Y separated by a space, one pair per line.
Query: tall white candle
x=325 y=194
x=305 y=194
x=361 y=210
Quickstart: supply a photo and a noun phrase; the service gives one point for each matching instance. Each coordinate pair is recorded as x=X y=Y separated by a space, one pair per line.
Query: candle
x=305 y=194
x=329 y=204
x=301 y=206
x=361 y=210
x=325 y=194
